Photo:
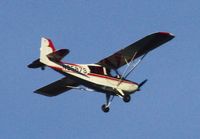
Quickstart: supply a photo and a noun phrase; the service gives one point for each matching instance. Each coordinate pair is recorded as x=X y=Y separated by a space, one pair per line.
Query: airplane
x=102 y=76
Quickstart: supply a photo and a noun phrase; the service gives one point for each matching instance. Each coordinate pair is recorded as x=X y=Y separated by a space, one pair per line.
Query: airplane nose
x=137 y=87
x=134 y=87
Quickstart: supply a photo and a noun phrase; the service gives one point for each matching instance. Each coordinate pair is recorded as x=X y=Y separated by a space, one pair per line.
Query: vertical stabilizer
x=46 y=48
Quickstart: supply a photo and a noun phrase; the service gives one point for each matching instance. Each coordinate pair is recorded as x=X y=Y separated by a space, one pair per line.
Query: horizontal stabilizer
x=58 y=55
x=36 y=64
x=54 y=56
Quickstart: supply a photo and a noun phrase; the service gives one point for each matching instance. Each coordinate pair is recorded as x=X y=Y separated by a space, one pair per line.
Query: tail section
x=46 y=48
x=48 y=55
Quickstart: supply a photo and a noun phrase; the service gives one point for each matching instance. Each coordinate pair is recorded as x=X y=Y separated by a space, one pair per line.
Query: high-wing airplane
x=102 y=76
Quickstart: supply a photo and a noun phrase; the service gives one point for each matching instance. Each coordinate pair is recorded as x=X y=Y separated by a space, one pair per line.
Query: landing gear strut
x=105 y=107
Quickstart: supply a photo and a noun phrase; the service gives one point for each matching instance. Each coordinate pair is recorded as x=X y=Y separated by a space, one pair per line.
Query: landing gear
x=42 y=68
x=105 y=108
x=126 y=98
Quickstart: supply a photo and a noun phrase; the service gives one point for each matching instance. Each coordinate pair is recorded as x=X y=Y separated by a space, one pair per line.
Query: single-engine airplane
x=99 y=76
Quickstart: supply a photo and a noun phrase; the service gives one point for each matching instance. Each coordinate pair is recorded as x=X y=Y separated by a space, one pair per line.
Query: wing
x=57 y=87
x=135 y=50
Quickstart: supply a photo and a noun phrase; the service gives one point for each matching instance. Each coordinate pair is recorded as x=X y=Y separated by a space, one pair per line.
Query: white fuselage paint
x=105 y=81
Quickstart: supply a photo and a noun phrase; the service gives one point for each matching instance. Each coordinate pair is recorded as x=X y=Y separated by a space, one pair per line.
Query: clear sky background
x=168 y=105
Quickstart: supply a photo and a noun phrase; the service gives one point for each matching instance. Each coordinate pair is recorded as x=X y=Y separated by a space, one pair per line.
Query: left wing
x=57 y=87
x=135 y=50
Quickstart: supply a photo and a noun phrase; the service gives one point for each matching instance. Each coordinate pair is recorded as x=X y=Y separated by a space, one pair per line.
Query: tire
x=105 y=108
x=127 y=98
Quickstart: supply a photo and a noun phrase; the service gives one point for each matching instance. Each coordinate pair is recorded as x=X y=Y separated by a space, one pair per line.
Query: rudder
x=46 y=48
x=48 y=55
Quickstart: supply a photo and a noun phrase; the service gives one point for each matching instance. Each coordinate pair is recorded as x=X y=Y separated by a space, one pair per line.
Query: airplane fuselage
x=97 y=77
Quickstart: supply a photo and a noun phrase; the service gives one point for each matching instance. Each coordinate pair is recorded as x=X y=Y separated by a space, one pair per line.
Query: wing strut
x=127 y=67
x=81 y=88
x=134 y=66
x=127 y=72
x=105 y=107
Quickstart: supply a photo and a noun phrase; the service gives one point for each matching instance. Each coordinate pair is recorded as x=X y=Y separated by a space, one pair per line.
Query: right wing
x=135 y=50
x=57 y=87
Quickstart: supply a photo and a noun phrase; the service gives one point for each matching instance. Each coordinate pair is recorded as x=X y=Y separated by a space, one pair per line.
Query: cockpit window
x=96 y=70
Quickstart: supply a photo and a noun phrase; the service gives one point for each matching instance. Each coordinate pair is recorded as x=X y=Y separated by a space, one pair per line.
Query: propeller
x=141 y=84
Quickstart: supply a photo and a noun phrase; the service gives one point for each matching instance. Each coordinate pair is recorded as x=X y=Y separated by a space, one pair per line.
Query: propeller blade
x=142 y=83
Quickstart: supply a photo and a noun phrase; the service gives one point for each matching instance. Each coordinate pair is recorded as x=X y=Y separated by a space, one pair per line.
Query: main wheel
x=126 y=98
x=105 y=108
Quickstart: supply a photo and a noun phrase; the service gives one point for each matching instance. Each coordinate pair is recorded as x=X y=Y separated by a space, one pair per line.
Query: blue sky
x=168 y=105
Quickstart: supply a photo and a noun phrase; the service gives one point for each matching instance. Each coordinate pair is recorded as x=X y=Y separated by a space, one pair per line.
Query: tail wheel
x=105 y=108
x=42 y=68
x=126 y=98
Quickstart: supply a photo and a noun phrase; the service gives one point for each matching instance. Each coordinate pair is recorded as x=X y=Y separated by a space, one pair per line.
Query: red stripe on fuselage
x=56 y=68
x=72 y=64
x=100 y=76
x=110 y=78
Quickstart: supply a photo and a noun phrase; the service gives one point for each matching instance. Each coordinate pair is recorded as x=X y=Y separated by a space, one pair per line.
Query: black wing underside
x=137 y=49
x=57 y=87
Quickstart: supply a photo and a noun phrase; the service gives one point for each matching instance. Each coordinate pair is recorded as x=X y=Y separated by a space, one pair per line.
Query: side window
x=113 y=73
x=96 y=70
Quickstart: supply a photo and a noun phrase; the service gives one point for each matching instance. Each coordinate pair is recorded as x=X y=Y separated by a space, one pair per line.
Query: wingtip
x=167 y=33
